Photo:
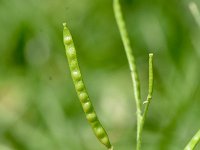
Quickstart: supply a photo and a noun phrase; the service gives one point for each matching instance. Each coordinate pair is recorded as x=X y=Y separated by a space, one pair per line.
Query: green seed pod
x=71 y=52
x=105 y=140
x=79 y=86
x=83 y=97
x=87 y=106
x=73 y=64
x=76 y=75
x=99 y=131
x=91 y=117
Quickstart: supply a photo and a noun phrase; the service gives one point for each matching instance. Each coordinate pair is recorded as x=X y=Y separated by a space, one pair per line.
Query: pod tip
x=64 y=24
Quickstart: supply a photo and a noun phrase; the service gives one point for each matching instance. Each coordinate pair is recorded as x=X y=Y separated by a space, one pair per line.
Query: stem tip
x=150 y=54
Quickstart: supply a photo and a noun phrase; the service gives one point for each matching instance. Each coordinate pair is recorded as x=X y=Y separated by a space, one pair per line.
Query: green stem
x=193 y=142
x=195 y=12
x=132 y=65
x=150 y=92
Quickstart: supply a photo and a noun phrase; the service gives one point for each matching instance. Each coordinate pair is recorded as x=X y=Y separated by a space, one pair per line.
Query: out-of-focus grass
x=39 y=108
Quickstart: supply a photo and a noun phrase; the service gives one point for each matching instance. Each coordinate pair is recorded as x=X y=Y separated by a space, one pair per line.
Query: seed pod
x=87 y=106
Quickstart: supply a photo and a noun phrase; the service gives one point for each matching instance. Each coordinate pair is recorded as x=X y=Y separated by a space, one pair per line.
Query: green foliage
x=39 y=109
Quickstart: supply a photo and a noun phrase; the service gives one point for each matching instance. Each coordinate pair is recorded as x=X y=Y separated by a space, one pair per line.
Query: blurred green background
x=39 y=109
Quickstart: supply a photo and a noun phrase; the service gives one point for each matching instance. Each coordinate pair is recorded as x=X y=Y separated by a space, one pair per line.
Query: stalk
x=132 y=66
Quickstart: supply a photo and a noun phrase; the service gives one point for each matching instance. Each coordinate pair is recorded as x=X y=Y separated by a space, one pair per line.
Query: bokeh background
x=39 y=109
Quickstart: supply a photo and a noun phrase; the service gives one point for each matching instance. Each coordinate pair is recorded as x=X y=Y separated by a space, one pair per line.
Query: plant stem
x=112 y=148
x=196 y=138
x=150 y=92
x=193 y=142
x=195 y=12
x=132 y=65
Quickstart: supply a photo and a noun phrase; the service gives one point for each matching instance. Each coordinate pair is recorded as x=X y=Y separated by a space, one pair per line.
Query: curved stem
x=132 y=64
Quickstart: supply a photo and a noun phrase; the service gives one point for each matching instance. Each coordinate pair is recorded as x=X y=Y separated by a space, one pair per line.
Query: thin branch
x=150 y=92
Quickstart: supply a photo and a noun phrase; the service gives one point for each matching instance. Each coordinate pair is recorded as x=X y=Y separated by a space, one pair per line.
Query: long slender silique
x=82 y=93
